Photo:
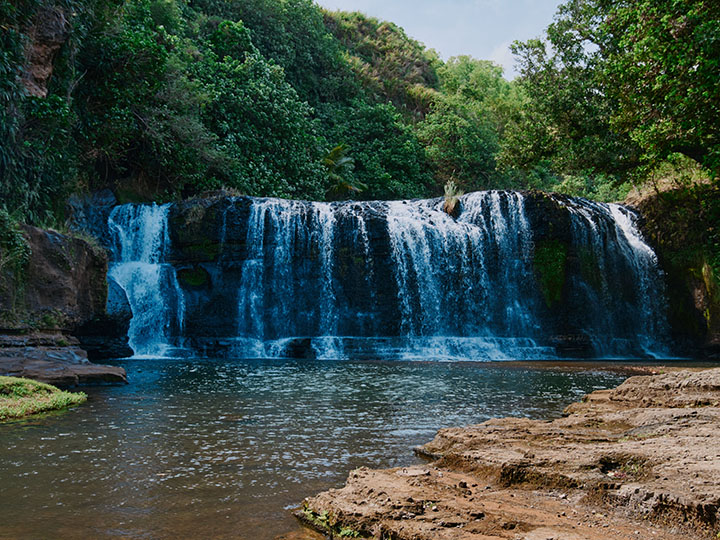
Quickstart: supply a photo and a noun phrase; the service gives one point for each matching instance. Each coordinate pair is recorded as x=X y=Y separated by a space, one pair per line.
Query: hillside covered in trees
x=163 y=99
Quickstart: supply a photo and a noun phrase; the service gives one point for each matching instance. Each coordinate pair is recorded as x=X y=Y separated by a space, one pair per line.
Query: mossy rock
x=22 y=397
x=206 y=251
x=550 y=262
x=196 y=277
x=590 y=268
x=194 y=230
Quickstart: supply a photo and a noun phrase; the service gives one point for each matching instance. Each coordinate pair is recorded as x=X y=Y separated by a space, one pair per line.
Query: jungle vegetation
x=163 y=99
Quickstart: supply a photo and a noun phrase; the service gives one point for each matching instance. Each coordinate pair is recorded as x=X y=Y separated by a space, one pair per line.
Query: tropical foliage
x=160 y=99
x=617 y=88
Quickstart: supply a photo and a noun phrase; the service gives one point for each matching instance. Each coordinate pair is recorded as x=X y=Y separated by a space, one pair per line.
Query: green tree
x=292 y=33
x=200 y=108
x=621 y=87
x=461 y=133
x=339 y=168
x=392 y=66
x=37 y=153
x=566 y=119
x=388 y=157
x=263 y=126
x=663 y=68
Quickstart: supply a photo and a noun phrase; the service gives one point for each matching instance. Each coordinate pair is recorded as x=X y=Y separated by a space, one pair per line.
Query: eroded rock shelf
x=639 y=461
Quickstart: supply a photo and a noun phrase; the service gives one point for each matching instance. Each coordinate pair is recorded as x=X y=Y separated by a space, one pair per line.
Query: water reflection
x=203 y=448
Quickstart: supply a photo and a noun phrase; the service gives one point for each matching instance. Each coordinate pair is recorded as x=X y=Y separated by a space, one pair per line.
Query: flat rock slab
x=57 y=365
x=639 y=461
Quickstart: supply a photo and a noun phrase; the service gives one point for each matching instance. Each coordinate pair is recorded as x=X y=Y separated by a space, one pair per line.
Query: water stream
x=398 y=280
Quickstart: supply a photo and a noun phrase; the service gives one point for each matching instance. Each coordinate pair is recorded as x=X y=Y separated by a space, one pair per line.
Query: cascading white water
x=269 y=291
x=650 y=294
x=608 y=234
x=465 y=279
x=140 y=244
x=399 y=279
x=462 y=275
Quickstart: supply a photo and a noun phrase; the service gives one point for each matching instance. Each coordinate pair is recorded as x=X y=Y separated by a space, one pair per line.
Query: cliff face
x=579 y=278
x=683 y=226
x=48 y=32
x=51 y=307
x=61 y=288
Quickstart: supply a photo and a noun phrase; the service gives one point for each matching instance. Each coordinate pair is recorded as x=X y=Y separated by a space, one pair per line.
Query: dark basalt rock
x=573 y=345
x=300 y=348
x=53 y=359
x=194 y=277
x=106 y=335
x=89 y=215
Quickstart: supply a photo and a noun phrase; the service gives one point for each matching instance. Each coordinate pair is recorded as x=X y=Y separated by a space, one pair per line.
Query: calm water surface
x=222 y=449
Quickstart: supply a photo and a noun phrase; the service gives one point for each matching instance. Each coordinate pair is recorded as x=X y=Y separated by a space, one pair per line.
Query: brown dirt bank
x=639 y=461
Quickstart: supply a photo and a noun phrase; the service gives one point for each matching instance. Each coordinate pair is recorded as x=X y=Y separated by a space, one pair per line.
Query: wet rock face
x=395 y=269
x=680 y=229
x=62 y=289
x=89 y=215
x=219 y=243
x=54 y=359
x=529 y=274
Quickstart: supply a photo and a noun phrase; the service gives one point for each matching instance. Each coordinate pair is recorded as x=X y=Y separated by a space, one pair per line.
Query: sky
x=480 y=28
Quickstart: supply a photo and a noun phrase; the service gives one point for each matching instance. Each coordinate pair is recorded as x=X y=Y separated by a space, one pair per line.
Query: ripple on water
x=222 y=448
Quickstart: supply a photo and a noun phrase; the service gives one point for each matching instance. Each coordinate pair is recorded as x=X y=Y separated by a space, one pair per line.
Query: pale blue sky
x=481 y=28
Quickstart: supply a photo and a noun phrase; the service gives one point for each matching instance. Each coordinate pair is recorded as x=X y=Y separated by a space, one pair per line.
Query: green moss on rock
x=683 y=226
x=550 y=263
x=590 y=268
x=195 y=277
x=206 y=251
x=22 y=397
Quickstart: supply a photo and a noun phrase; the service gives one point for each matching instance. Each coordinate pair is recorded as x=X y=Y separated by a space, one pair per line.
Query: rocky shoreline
x=638 y=461
x=53 y=359
x=53 y=317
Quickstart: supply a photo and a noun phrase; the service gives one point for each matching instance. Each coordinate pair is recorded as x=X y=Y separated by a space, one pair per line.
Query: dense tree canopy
x=391 y=66
x=466 y=120
x=663 y=67
x=618 y=87
x=159 y=99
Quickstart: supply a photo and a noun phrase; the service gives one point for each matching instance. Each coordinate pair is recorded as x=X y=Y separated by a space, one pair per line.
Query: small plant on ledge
x=451 y=206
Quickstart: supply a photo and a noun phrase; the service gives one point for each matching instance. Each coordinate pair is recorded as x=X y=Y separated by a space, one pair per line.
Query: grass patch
x=23 y=397
x=325 y=522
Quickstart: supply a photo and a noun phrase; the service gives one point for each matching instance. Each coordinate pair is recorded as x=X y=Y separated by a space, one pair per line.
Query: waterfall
x=608 y=234
x=140 y=245
x=466 y=277
x=399 y=279
x=464 y=284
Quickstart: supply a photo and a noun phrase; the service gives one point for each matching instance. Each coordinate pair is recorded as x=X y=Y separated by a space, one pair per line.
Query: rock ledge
x=53 y=359
x=639 y=461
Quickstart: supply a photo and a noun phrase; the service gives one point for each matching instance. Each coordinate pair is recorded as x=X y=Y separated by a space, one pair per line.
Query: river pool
x=225 y=448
